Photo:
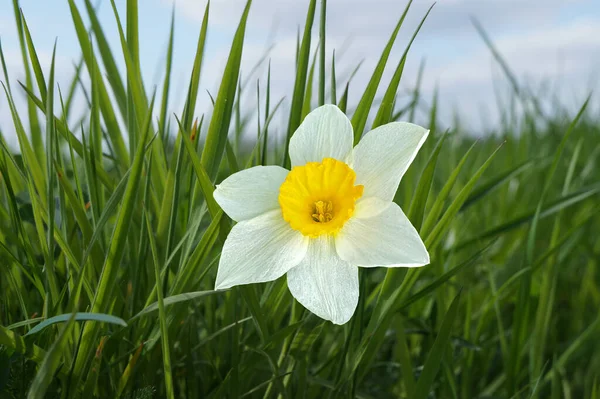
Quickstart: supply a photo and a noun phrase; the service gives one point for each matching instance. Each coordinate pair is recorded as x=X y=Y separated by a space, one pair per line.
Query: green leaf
x=162 y=119
x=306 y=107
x=117 y=245
x=386 y=108
x=171 y=300
x=300 y=81
x=322 y=40
x=35 y=62
x=439 y=281
x=192 y=95
x=436 y=354
x=203 y=178
x=440 y=199
x=108 y=113
x=417 y=205
x=164 y=331
x=51 y=362
x=79 y=316
x=218 y=129
x=551 y=208
x=359 y=119
x=112 y=71
x=442 y=226
x=34 y=123
x=490 y=185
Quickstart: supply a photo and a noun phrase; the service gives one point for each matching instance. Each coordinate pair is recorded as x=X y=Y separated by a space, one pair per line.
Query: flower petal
x=384 y=154
x=325 y=284
x=258 y=250
x=250 y=192
x=387 y=239
x=369 y=207
x=326 y=132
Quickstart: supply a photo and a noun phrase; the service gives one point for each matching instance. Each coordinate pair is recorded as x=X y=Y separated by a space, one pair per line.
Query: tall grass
x=110 y=238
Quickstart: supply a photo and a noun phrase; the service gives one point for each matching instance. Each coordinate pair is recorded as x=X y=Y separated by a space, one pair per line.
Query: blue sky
x=554 y=40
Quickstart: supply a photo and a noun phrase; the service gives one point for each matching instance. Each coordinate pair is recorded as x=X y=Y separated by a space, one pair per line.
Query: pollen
x=319 y=197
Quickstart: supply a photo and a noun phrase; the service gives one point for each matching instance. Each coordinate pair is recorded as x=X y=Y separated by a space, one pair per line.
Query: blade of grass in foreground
x=162 y=119
x=386 y=108
x=138 y=98
x=51 y=362
x=398 y=282
x=300 y=82
x=359 y=119
x=112 y=71
x=115 y=252
x=434 y=359
x=108 y=113
x=546 y=305
x=322 y=52
x=440 y=200
x=218 y=129
x=164 y=331
x=524 y=296
x=417 y=205
x=34 y=123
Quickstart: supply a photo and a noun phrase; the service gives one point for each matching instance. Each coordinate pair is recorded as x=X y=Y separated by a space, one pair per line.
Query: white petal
x=250 y=192
x=387 y=239
x=326 y=132
x=325 y=284
x=258 y=250
x=384 y=154
x=369 y=207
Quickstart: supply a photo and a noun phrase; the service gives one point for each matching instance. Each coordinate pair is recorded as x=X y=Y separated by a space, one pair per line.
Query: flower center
x=319 y=197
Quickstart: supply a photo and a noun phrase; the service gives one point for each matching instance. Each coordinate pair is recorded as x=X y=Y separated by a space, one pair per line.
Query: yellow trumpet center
x=319 y=197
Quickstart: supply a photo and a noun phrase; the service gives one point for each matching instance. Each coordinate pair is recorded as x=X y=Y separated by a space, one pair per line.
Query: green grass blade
x=300 y=82
x=522 y=311
x=79 y=316
x=386 y=108
x=117 y=246
x=492 y=184
x=359 y=119
x=34 y=123
x=171 y=300
x=322 y=78
x=552 y=208
x=112 y=71
x=164 y=104
x=77 y=145
x=35 y=62
x=333 y=81
x=306 y=107
x=164 y=331
x=434 y=359
x=203 y=178
x=437 y=207
x=51 y=362
x=442 y=226
x=218 y=129
x=108 y=113
x=50 y=181
x=27 y=151
x=417 y=205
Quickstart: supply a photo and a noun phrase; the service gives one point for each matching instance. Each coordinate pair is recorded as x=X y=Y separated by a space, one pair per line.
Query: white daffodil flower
x=329 y=215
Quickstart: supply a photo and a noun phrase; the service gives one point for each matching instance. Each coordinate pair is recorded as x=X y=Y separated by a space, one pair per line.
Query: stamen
x=322 y=211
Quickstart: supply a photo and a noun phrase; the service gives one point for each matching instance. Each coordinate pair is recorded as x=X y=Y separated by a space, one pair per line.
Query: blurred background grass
x=110 y=236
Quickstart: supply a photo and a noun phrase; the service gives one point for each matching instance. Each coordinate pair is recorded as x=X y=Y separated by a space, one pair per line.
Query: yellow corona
x=318 y=197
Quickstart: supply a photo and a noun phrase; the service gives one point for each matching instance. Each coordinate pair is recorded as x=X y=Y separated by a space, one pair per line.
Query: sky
x=552 y=42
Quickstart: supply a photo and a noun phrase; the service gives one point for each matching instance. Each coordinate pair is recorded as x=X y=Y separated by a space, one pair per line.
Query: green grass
x=110 y=239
